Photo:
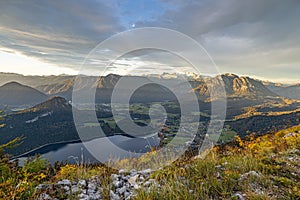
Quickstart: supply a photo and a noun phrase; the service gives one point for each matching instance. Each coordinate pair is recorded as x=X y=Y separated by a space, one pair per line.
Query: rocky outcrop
x=123 y=186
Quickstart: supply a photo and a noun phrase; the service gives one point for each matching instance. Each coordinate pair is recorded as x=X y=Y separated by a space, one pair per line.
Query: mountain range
x=234 y=85
x=292 y=91
x=46 y=115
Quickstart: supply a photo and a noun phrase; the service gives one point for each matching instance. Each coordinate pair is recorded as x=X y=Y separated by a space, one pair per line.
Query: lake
x=104 y=149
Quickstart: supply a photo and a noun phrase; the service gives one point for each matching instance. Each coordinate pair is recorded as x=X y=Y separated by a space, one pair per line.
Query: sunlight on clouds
x=18 y=63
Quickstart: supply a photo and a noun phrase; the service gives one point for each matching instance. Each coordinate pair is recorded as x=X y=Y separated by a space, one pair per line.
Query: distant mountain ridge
x=292 y=91
x=32 y=80
x=52 y=120
x=16 y=94
x=234 y=85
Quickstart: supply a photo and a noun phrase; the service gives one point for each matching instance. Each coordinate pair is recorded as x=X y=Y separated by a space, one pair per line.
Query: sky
x=257 y=38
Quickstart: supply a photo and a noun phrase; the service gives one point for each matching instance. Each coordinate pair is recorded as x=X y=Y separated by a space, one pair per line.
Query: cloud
x=59 y=32
x=247 y=37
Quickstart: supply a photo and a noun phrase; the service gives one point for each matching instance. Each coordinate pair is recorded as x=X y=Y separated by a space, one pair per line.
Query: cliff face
x=233 y=85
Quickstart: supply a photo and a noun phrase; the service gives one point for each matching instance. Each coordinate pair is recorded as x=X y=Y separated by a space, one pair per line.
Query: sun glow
x=17 y=63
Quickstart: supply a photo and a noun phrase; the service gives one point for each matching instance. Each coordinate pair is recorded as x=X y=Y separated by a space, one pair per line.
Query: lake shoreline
x=65 y=142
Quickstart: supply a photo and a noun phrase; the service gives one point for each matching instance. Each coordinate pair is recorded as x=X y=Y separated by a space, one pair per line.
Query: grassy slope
x=272 y=160
x=267 y=167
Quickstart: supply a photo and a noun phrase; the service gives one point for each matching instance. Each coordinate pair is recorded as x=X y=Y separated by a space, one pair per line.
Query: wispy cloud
x=60 y=32
x=245 y=37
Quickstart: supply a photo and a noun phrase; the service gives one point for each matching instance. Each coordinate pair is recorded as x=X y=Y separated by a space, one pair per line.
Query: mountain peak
x=12 y=83
x=57 y=100
x=243 y=85
x=55 y=103
x=14 y=93
x=234 y=85
x=230 y=75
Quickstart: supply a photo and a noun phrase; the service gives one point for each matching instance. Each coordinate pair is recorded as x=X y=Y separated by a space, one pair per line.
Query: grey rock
x=82 y=183
x=147 y=171
x=95 y=196
x=127 y=194
x=42 y=186
x=133 y=172
x=118 y=184
x=89 y=191
x=66 y=188
x=64 y=182
x=141 y=179
x=122 y=190
x=125 y=178
x=75 y=189
x=132 y=180
x=239 y=196
x=44 y=196
x=115 y=177
x=100 y=189
x=113 y=196
x=91 y=186
x=246 y=175
x=83 y=196
x=147 y=184
x=136 y=186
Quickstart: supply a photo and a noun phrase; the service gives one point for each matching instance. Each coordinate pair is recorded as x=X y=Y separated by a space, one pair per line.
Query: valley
x=47 y=117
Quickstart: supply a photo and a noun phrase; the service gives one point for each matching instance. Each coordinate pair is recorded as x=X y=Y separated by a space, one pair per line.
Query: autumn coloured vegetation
x=265 y=167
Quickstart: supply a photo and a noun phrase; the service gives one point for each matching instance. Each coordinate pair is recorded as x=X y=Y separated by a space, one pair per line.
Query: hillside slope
x=46 y=123
x=266 y=167
x=16 y=94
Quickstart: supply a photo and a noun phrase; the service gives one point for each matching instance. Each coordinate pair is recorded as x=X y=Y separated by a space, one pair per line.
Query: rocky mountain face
x=62 y=85
x=84 y=82
x=16 y=94
x=234 y=86
x=240 y=86
x=104 y=87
